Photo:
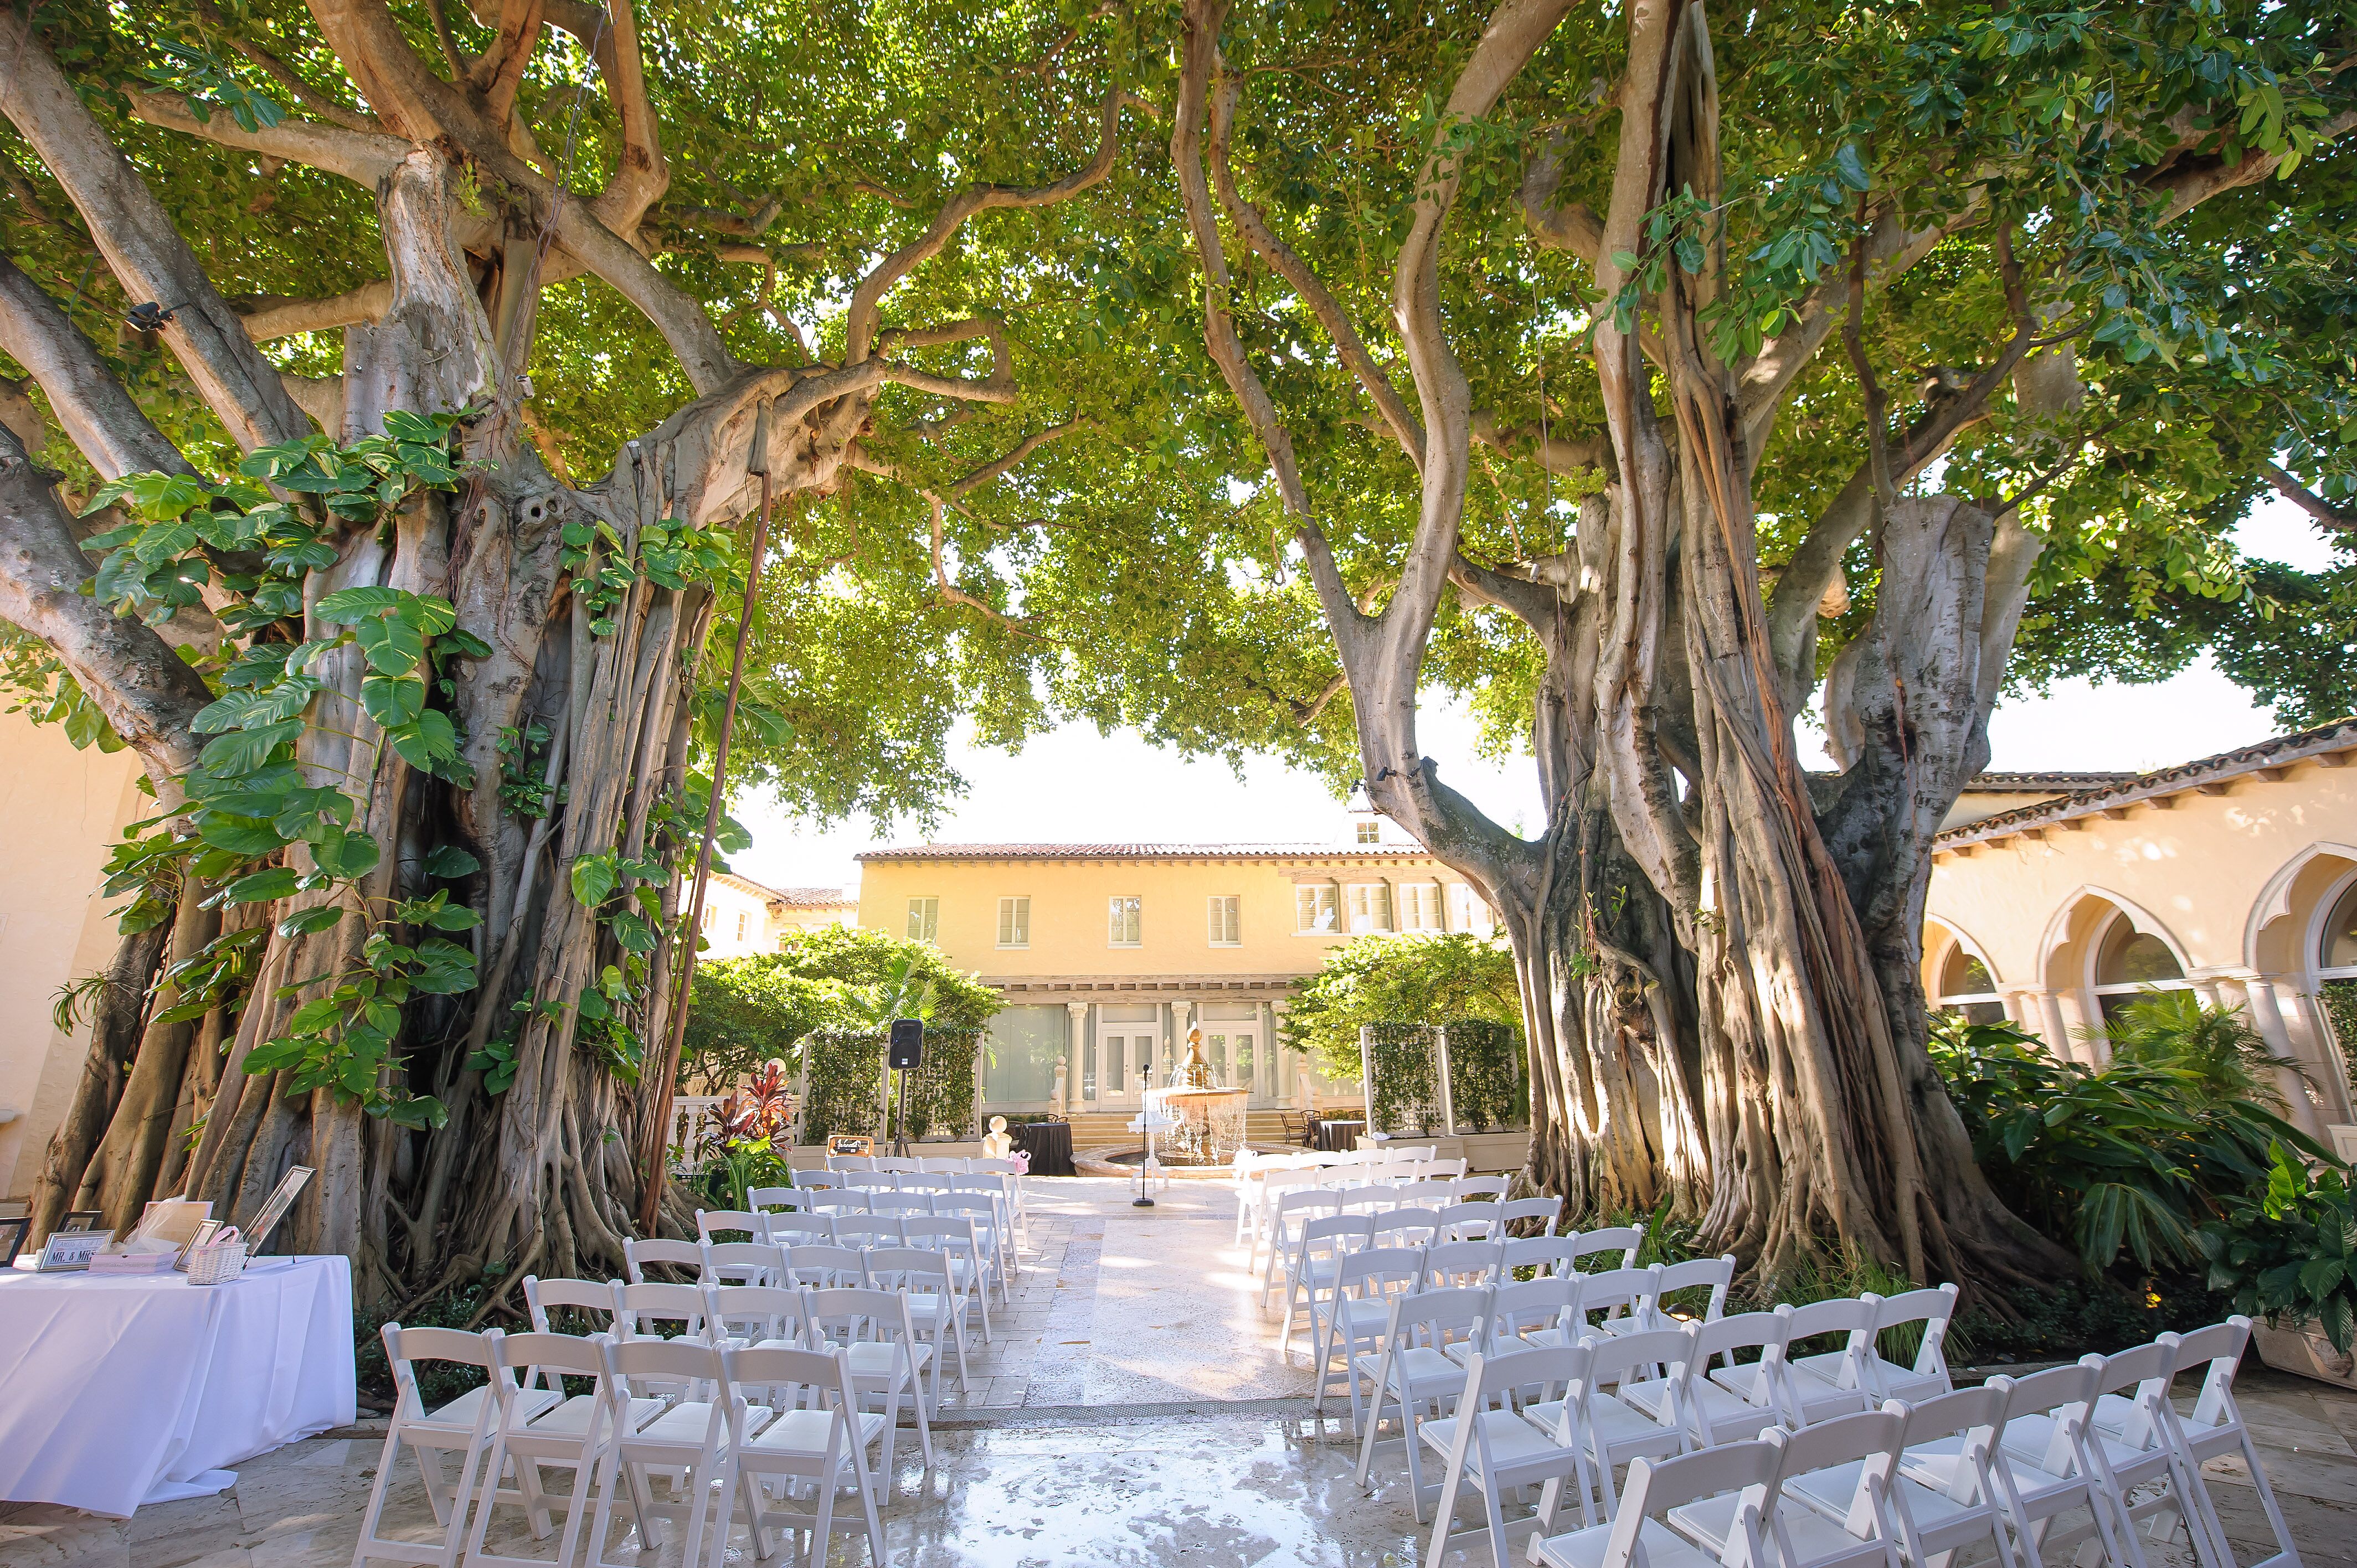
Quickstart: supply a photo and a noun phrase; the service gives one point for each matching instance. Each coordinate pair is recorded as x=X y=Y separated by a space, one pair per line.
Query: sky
x=1075 y=786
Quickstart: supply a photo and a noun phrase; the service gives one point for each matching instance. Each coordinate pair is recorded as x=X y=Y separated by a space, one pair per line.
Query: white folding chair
x=817 y=1438
x=938 y=1301
x=759 y=1316
x=864 y=1164
x=1824 y=1384
x=541 y=1297
x=1624 y=1296
x=952 y=1165
x=1351 y=1321
x=882 y=1355
x=2216 y=1429
x=896 y=1163
x=2036 y=1492
x=1450 y=1264
x=1316 y=1260
x=1294 y=1207
x=1547 y=1255
x=790 y=1230
x=1369 y=1197
x=828 y=1267
x=1273 y=1186
x=1625 y=1240
x=991 y=1242
x=694 y=1434
x=1486 y=1441
x=1926 y=1376
x=713 y=1223
x=993 y=1187
x=743 y=1263
x=1831 y=1507
x=638 y=1255
x=1431 y=1196
x=574 y=1436
x=1475 y=1221
x=839 y=1200
x=1596 y=1416
x=463 y=1427
x=1545 y=1210
x=1525 y=1315
x=1711 y=1275
x=1715 y=1413
x=870 y=1231
x=1736 y=1482
x=1414 y=1371
x=817 y=1178
x=1933 y=1523
x=1406 y=1228
x=953 y=1236
x=767 y=1198
x=2136 y=1452
x=1483 y=1189
x=1445 y=1170
x=1010 y=1172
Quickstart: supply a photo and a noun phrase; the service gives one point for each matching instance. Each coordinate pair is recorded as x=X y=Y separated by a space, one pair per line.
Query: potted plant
x=2288 y=1256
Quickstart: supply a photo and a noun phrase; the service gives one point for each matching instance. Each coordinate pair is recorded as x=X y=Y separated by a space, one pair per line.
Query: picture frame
x=84 y=1219
x=282 y=1198
x=13 y=1232
x=68 y=1251
x=203 y=1236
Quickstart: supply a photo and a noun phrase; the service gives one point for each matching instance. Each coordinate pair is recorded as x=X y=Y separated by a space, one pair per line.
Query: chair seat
x=1513 y=1442
x=873 y=1362
x=1906 y=1383
x=1711 y=1521
x=1731 y=1417
x=1366 y=1317
x=1821 y=1397
x=1420 y=1365
x=2031 y=1437
x=1935 y=1464
x=685 y=1424
x=461 y=1414
x=572 y=1417
x=1664 y=1547
x=1830 y=1492
x=1627 y=1433
x=805 y=1431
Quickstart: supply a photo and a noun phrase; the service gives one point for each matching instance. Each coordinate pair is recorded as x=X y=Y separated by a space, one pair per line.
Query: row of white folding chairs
x=1924 y=1480
x=882 y=1165
x=871 y=1215
x=972 y=1251
x=898 y=1194
x=814 y=1188
x=1274 y=1220
x=1254 y=1183
x=1322 y=1237
x=808 y=1430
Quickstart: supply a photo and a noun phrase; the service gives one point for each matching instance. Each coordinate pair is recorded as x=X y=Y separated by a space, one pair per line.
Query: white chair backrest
x=636 y=1255
x=577 y=1295
x=1445 y=1170
x=405 y=1346
x=942 y=1168
x=869 y=1231
x=754 y=1312
x=901 y=1203
x=1618 y=1294
x=1407 y=1227
x=526 y=1360
x=909 y=1270
x=643 y=1309
x=827 y=1267
x=1853 y=1316
x=996 y=1167
x=896 y=1163
x=2141 y=1375
x=1483 y=1189
x=1372 y=1195
x=742 y=1262
x=840 y=1200
x=1378 y=1272
x=1548 y=1254
x=1931 y=1308
x=2065 y=1396
x=1711 y=1275
x=1436 y=1319
x=818 y=1178
x=1868 y=1439
x=1625 y=1240
x=1616 y=1359
x=2221 y=1347
x=1520 y=1307
x=1657 y=1486
x=1470 y=1222
x=1545 y=1210
x=635 y=1366
x=801 y=1229
x=1433 y=1195
x=851 y=1163
x=1459 y=1263
x=769 y=1198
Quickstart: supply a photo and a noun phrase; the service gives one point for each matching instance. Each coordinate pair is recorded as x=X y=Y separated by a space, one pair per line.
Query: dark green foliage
x=1423 y=978
x=2289 y=1251
x=1402 y=1075
x=942 y=1091
x=842 y=1084
x=2132 y=1158
x=1486 y=1084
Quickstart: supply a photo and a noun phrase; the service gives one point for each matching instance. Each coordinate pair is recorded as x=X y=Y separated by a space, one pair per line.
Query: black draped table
x=1337 y=1136
x=1049 y=1144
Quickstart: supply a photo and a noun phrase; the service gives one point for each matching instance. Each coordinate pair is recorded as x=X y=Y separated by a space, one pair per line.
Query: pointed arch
x=2274 y=901
x=2058 y=929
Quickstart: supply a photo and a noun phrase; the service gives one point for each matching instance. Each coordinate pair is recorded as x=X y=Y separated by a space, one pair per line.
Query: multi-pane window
x=924 y=919
x=1124 y=921
x=1314 y=907
x=1467 y=912
x=1370 y=907
x=1419 y=907
x=1014 y=922
x=711 y=921
x=1370 y=832
x=1226 y=920
x=744 y=925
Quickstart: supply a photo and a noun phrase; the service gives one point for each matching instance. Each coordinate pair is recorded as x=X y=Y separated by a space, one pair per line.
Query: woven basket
x=217 y=1264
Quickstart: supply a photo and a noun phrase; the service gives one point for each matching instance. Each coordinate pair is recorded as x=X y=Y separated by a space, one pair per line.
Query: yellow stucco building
x=2055 y=898
x=1109 y=954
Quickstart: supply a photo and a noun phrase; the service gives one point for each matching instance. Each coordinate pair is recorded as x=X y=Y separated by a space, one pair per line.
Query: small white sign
x=69 y=1250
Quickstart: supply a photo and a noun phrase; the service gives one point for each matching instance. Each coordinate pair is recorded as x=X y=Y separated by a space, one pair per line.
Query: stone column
x=2331 y=1052
x=2267 y=1017
x=2047 y=1008
x=1076 y=1045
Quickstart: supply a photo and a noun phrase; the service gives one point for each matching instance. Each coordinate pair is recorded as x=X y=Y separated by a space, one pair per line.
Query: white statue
x=995 y=1143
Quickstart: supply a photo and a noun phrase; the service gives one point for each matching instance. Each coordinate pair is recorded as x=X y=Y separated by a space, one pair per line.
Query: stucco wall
x=59 y=810
x=2234 y=881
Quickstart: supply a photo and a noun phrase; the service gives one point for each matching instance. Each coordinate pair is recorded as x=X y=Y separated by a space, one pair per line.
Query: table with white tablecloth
x=116 y=1390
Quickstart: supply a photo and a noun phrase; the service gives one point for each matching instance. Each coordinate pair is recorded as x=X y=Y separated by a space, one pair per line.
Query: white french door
x=1124 y=1065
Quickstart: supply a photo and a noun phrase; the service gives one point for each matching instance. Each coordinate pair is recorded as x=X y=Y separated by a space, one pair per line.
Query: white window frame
x=1325 y=899
x=2101 y=939
x=1357 y=893
x=1417 y=906
x=1369 y=832
x=925 y=919
x=743 y=926
x=1125 y=912
x=1224 y=913
x=1015 y=920
x=1962 y=1000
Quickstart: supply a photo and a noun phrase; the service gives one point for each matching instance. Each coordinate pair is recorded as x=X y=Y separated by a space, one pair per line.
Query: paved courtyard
x=1134 y=1410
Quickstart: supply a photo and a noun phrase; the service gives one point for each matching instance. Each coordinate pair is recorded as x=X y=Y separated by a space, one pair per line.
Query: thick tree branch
x=860 y=325
x=361 y=156
x=2188 y=183
x=1248 y=222
x=269 y=316
x=1015 y=456
x=641 y=174
x=1574 y=226
x=1555 y=453
x=2307 y=500
x=147 y=693
x=136 y=238
x=99 y=415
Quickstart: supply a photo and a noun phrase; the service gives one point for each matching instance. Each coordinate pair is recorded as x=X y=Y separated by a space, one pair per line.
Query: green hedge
x=843 y=1085
x=942 y=1091
x=1402 y=1080
x=1486 y=1086
x=2340 y=998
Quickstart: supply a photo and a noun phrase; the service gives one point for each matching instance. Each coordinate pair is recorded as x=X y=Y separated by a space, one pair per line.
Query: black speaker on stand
x=905 y=1055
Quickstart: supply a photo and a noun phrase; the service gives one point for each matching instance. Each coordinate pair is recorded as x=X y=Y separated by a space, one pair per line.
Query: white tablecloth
x=116 y=1392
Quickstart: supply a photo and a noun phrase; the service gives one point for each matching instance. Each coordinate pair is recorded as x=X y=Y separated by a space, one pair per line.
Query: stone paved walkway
x=1134 y=1412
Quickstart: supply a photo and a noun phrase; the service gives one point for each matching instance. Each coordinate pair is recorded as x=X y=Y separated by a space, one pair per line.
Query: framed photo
x=71 y=1250
x=202 y=1237
x=281 y=1200
x=83 y=1220
x=12 y=1237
